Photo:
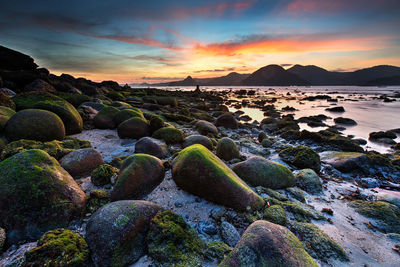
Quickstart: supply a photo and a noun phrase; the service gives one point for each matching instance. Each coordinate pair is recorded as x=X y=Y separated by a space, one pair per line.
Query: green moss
x=387 y=214
x=58 y=248
x=127 y=114
x=117 y=162
x=217 y=250
x=74 y=99
x=343 y=143
x=275 y=214
x=172 y=242
x=177 y=117
x=114 y=95
x=96 y=200
x=318 y=244
x=5 y=111
x=102 y=174
x=302 y=157
x=170 y=135
x=156 y=123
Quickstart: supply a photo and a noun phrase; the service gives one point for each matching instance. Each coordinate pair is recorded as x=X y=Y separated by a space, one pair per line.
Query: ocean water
x=361 y=104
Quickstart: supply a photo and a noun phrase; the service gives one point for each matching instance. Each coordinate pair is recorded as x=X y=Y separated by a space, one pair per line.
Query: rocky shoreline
x=98 y=174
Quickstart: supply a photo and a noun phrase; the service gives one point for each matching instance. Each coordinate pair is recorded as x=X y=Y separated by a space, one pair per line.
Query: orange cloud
x=303 y=43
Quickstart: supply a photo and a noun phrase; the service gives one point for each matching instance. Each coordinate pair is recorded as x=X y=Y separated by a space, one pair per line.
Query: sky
x=155 y=41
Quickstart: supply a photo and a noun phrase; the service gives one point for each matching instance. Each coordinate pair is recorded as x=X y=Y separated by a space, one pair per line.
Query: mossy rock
x=258 y=171
x=156 y=123
x=267 y=244
x=96 y=200
x=135 y=128
x=58 y=248
x=162 y=100
x=217 y=251
x=206 y=128
x=36 y=194
x=318 y=244
x=309 y=181
x=69 y=115
x=35 y=124
x=74 y=99
x=127 y=114
x=343 y=143
x=386 y=214
x=227 y=149
x=170 y=135
x=177 y=117
x=5 y=114
x=199 y=172
x=116 y=233
x=302 y=157
x=55 y=148
x=227 y=120
x=102 y=174
x=121 y=104
x=138 y=176
x=151 y=146
x=198 y=139
x=117 y=162
x=117 y=96
x=172 y=242
x=105 y=118
x=275 y=214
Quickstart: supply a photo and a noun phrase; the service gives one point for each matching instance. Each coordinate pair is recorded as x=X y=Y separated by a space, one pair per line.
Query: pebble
x=229 y=234
x=207 y=227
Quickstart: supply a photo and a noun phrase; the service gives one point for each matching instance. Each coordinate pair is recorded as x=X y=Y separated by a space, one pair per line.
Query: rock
x=318 y=244
x=105 y=118
x=207 y=227
x=35 y=124
x=344 y=161
x=59 y=247
x=138 y=176
x=217 y=251
x=268 y=244
x=170 y=135
x=261 y=136
x=127 y=114
x=5 y=114
x=8 y=92
x=156 y=123
x=369 y=182
x=258 y=171
x=96 y=200
x=345 y=121
x=55 y=148
x=116 y=233
x=301 y=157
x=309 y=181
x=199 y=172
x=381 y=134
x=39 y=85
x=51 y=200
x=172 y=242
x=275 y=214
x=134 y=128
x=2 y=239
x=206 y=128
x=386 y=214
x=69 y=115
x=102 y=174
x=6 y=101
x=81 y=162
x=227 y=120
x=198 y=139
x=14 y=60
x=151 y=146
x=335 y=109
x=227 y=149
x=229 y=234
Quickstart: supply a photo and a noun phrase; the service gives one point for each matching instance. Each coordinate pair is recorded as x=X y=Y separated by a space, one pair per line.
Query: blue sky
x=151 y=41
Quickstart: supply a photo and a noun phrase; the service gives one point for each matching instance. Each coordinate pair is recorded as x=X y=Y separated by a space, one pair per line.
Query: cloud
x=215 y=70
x=286 y=65
x=161 y=78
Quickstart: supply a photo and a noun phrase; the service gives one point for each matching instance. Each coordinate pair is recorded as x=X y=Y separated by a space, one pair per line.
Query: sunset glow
x=154 y=41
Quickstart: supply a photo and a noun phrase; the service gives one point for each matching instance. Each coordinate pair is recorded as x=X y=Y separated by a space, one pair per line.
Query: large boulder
x=14 y=60
x=82 y=162
x=206 y=128
x=198 y=139
x=59 y=247
x=301 y=157
x=309 y=181
x=151 y=146
x=172 y=242
x=227 y=149
x=36 y=194
x=69 y=115
x=35 y=124
x=39 y=85
x=138 y=176
x=116 y=233
x=344 y=161
x=170 y=135
x=199 y=172
x=105 y=118
x=5 y=114
x=127 y=114
x=134 y=128
x=268 y=244
x=227 y=120
x=258 y=171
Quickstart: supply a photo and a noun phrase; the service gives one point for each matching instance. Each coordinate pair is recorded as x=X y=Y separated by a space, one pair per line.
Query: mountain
x=273 y=75
x=318 y=76
x=232 y=78
x=365 y=76
x=189 y=81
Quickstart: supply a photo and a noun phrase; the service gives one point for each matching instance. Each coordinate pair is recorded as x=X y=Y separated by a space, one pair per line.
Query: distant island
x=275 y=75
